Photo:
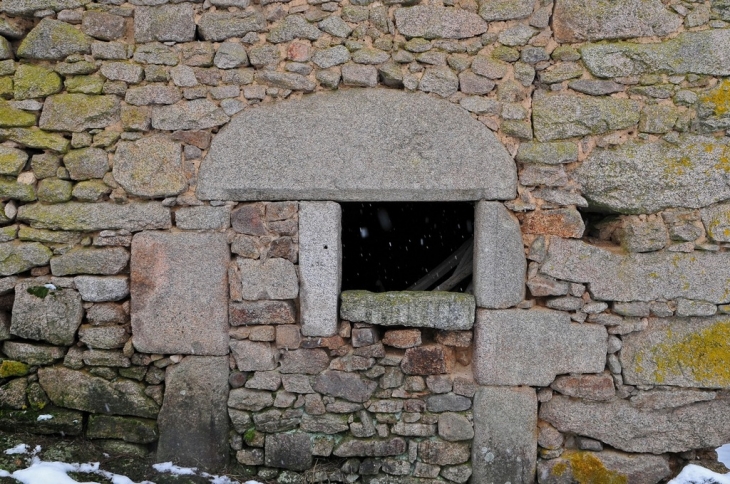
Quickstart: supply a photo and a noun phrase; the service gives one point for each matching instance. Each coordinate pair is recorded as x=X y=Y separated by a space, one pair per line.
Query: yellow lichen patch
x=678 y=166
x=10 y=368
x=559 y=468
x=720 y=97
x=702 y=356
x=588 y=469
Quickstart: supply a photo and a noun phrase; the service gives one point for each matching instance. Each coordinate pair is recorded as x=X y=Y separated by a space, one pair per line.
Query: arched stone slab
x=355 y=144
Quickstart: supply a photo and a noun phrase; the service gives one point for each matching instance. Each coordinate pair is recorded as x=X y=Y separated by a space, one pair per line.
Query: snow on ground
x=694 y=474
x=41 y=472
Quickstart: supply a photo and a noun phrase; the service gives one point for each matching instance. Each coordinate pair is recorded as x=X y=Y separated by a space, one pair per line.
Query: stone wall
x=170 y=289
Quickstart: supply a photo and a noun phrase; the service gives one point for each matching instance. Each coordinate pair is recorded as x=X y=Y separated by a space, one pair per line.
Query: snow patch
x=723 y=455
x=41 y=418
x=18 y=449
x=694 y=474
x=173 y=469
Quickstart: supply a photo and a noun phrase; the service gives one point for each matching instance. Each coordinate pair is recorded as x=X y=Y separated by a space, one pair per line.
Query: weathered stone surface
x=16 y=257
x=77 y=216
x=443 y=453
x=716 y=219
x=454 y=427
x=36 y=138
x=350 y=386
x=317 y=146
x=623 y=426
x=251 y=400
x=293 y=27
x=669 y=398
x=559 y=116
x=261 y=312
x=428 y=360
x=189 y=115
x=53 y=40
x=64 y=422
x=590 y=387
x=646 y=177
x=194 y=415
x=135 y=430
x=43 y=314
x=440 y=80
x=12 y=160
x=32 y=354
x=304 y=361
x=505 y=435
x=288 y=451
x=370 y=448
x=203 y=218
x=499 y=258
x=583 y=466
x=79 y=112
x=31 y=82
x=164 y=23
x=104 y=337
x=253 y=355
x=438 y=22
x=447 y=403
x=153 y=94
x=86 y=163
x=82 y=260
x=679 y=353
x=80 y=391
x=563 y=222
x=150 y=167
x=547 y=153
x=442 y=310
x=699 y=275
x=268 y=279
x=28 y=7
x=689 y=52
x=101 y=25
x=320 y=266
x=581 y=20
x=217 y=26
x=100 y=289
x=402 y=338
x=505 y=9
x=179 y=293
x=508 y=342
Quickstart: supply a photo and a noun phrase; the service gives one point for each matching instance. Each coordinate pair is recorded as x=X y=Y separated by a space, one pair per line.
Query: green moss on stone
x=54 y=190
x=10 y=368
x=37 y=138
x=11 y=117
x=10 y=188
x=6 y=87
x=38 y=291
x=84 y=84
x=90 y=190
x=12 y=160
x=33 y=81
x=507 y=54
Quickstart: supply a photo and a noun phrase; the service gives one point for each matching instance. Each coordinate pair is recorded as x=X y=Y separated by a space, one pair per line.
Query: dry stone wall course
x=217 y=130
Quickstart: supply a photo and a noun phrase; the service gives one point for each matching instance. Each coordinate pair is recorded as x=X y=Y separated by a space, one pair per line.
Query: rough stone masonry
x=170 y=246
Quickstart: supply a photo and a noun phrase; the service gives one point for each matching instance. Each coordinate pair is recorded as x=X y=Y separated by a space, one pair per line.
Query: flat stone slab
x=607 y=464
x=179 y=290
x=679 y=352
x=499 y=257
x=702 y=276
x=509 y=342
x=373 y=144
x=560 y=116
x=505 y=440
x=193 y=419
x=581 y=20
x=320 y=266
x=96 y=216
x=43 y=314
x=690 y=52
x=80 y=391
x=438 y=22
x=623 y=426
x=646 y=177
x=450 y=311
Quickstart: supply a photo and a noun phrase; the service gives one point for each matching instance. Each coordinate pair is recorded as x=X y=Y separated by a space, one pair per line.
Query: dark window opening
x=390 y=246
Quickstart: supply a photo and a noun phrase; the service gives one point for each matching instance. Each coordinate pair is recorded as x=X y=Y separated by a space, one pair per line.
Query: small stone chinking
x=107 y=110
